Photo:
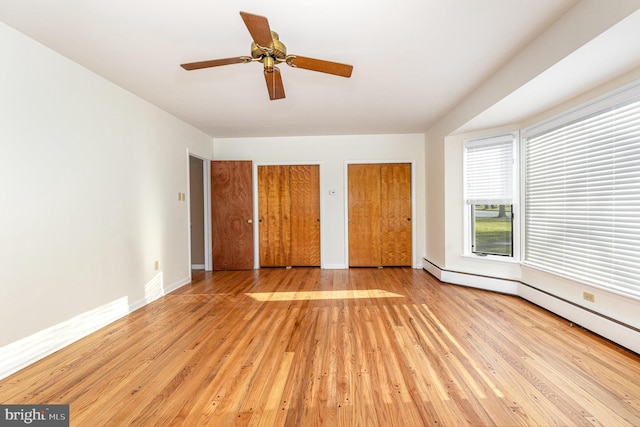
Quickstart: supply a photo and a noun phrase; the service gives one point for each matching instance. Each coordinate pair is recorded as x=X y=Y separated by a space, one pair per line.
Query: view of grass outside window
x=492 y=229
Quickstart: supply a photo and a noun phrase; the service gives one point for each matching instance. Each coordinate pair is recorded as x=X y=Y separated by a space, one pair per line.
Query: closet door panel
x=364 y=215
x=274 y=206
x=395 y=221
x=304 y=186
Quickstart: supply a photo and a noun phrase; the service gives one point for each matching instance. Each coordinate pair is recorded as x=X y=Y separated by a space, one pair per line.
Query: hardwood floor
x=367 y=347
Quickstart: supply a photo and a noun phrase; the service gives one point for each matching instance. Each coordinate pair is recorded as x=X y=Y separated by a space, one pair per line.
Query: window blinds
x=582 y=198
x=489 y=171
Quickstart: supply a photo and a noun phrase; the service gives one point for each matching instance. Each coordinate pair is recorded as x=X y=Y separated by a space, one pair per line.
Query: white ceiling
x=610 y=55
x=413 y=60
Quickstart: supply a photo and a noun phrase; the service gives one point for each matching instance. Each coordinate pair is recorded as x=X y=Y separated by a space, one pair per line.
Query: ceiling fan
x=268 y=49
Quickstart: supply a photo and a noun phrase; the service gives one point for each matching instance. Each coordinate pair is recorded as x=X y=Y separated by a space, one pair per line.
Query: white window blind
x=489 y=170
x=582 y=197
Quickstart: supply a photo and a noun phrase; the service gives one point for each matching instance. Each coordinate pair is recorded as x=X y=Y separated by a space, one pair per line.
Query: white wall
x=89 y=183
x=333 y=153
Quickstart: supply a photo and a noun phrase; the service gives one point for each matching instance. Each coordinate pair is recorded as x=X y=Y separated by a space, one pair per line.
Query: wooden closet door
x=274 y=206
x=364 y=215
x=380 y=215
x=232 y=215
x=395 y=220
x=304 y=186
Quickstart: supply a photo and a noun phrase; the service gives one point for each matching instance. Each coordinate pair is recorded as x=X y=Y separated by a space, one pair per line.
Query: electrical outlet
x=156 y=265
x=588 y=296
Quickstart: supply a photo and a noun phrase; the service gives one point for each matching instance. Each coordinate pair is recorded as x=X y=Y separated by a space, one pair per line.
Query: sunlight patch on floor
x=322 y=295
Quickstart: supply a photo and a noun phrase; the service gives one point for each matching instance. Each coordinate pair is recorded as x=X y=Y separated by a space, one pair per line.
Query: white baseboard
x=176 y=285
x=28 y=350
x=334 y=266
x=471 y=280
x=610 y=329
x=197 y=266
x=619 y=333
x=32 y=348
x=433 y=269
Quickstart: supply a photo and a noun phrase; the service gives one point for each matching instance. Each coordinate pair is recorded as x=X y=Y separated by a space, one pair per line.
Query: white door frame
x=206 y=197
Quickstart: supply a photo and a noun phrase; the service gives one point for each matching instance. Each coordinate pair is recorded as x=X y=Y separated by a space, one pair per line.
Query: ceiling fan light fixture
x=268 y=62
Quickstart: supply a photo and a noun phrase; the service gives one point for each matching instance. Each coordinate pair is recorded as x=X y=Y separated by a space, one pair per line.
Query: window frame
x=515 y=201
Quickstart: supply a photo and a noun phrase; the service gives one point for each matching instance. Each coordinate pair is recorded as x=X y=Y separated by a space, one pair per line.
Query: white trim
x=206 y=197
x=175 y=285
x=503 y=286
x=414 y=222
x=432 y=269
x=496 y=258
x=345 y=193
x=335 y=267
x=197 y=266
x=208 y=242
x=188 y=203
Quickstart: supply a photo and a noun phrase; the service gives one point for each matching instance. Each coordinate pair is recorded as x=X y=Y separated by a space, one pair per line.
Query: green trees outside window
x=492 y=229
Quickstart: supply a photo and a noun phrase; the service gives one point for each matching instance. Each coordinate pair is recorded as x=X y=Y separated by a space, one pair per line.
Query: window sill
x=503 y=259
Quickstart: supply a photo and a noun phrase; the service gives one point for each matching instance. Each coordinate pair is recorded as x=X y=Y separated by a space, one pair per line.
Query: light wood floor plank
x=358 y=347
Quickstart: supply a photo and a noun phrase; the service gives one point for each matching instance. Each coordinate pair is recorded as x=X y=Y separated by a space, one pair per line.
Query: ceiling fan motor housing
x=268 y=54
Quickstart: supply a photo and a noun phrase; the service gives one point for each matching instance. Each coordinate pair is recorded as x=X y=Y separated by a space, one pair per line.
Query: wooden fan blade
x=274 y=84
x=321 y=66
x=258 y=27
x=212 y=63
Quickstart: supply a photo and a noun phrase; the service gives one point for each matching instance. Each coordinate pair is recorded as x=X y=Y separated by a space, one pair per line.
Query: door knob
x=250 y=221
